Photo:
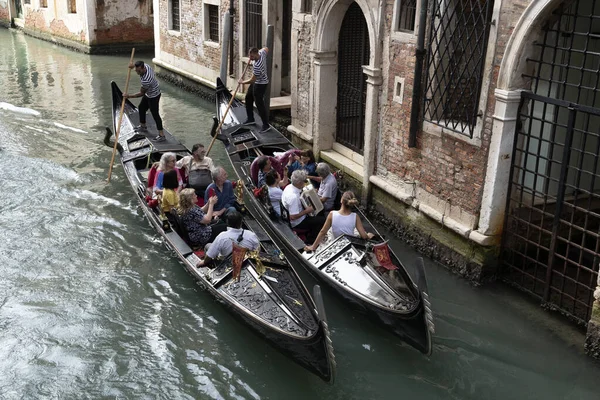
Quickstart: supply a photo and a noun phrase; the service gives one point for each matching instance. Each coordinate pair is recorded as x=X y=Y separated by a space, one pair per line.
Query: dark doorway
x=286 y=46
x=353 y=53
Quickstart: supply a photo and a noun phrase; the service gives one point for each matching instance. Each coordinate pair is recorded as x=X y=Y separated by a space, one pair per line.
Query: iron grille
x=213 y=22
x=353 y=53
x=175 y=22
x=457 y=45
x=253 y=23
x=551 y=240
x=307 y=6
x=406 y=15
x=27 y=2
x=72 y=6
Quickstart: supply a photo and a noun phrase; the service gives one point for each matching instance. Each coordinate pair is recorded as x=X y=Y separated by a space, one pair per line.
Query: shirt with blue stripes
x=260 y=68
x=149 y=82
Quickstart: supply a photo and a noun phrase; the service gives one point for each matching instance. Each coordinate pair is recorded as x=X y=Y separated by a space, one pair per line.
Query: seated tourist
x=169 y=197
x=299 y=218
x=223 y=244
x=197 y=169
x=264 y=167
x=223 y=189
x=196 y=220
x=328 y=188
x=342 y=222
x=275 y=192
x=305 y=161
x=166 y=164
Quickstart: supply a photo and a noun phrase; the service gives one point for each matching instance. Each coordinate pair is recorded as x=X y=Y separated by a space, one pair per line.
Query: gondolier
x=150 y=93
x=258 y=87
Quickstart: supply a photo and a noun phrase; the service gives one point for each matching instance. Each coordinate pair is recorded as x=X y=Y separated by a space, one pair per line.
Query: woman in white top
x=342 y=222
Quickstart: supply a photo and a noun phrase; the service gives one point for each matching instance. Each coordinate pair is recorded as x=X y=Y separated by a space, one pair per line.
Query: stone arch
x=329 y=21
x=506 y=114
x=520 y=44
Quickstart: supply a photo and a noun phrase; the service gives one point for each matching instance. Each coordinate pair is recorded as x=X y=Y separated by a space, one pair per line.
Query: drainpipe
x=231 y=14
x=418 y=76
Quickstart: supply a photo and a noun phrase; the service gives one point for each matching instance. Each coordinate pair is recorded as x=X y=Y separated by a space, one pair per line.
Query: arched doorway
x=551 y=239
x=353 y=53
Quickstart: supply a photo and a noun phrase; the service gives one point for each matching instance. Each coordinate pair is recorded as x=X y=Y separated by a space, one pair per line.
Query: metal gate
x=353 y=53
x=551 y=240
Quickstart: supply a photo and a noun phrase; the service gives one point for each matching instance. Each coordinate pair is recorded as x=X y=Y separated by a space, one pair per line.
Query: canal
x=92 y=304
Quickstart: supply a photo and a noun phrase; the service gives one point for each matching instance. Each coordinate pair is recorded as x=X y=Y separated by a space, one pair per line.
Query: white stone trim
x=398 y=97
x=404 y=36
x=206 y=25
x=451 y=217
x=526 y=31
x=496 y=185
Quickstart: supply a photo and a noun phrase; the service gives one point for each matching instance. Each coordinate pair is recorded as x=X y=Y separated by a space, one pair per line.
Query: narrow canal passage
x=92 y=305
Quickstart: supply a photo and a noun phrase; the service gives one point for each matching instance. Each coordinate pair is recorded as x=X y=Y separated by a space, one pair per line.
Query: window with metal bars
x=27 y=2
x=455 y=63
x=253 y=31
x=307 y=6
x=213 y=22
x=72 y=6
x=405 y=20
x=43 y=3
x=175 y=16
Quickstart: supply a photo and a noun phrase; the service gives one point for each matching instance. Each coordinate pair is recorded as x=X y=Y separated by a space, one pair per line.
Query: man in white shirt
x=223 y=243
x=328 y=188
x=298 y=215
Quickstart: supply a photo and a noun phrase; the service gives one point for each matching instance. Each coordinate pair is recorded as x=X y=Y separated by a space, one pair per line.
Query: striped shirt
x=149 y=82
x=260 y=68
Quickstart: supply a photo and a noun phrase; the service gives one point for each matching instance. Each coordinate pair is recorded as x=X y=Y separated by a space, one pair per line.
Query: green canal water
x=93 y=306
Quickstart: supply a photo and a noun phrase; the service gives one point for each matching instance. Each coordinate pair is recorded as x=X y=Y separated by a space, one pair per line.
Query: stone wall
x=4 y=14
x=119 y=21
x=443 y=165
x=189 y=49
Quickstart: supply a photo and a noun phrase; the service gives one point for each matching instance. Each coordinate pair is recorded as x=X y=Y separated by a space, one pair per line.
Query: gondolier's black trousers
x=151 y=103
x=256 y=94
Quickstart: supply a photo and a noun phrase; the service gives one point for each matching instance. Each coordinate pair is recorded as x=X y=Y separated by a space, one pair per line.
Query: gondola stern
x=320 y=308
x=426 y=302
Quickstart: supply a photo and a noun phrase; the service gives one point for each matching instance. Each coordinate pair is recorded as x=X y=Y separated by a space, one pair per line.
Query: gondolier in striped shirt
x=150 y=93
x=258 y=87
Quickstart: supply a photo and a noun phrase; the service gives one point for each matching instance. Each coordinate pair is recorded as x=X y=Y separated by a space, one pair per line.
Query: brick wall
x=190 y=44
x=119 y=22
x=4 y=13
x=447 y=167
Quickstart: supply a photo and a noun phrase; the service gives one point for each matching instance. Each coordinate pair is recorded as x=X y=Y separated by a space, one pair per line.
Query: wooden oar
x=118 y=127
x=226 y=111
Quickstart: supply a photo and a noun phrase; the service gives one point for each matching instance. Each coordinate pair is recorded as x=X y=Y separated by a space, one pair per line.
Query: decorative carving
x=331 y=250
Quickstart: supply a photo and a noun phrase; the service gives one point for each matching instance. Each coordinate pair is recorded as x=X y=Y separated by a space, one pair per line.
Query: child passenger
x=170 y=198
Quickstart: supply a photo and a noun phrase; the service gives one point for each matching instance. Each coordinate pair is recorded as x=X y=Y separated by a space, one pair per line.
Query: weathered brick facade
x=4 y=14
x=96 y=26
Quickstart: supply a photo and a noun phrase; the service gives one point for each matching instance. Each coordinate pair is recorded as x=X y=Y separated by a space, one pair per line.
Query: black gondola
x=348 y=264
x=276 y=304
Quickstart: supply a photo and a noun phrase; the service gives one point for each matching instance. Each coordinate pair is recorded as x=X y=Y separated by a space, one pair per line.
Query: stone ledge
x=592 y=338
x=346 y=165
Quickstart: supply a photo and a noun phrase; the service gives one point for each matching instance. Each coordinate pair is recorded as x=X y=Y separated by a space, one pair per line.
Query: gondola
x=275 y=304
x=384 y=292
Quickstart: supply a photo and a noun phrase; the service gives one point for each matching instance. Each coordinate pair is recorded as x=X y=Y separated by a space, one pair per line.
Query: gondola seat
x=254 y=168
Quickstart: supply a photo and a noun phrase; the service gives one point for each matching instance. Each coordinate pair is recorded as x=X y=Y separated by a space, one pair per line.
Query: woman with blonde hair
x=196 y=220
x=166 y=164
x=342 y=222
